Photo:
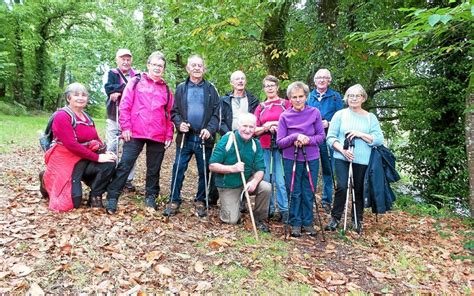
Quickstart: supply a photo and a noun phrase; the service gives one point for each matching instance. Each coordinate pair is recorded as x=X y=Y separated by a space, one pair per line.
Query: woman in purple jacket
x=300 y=126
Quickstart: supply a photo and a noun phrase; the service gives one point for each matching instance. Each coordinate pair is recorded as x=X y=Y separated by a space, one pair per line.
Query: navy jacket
x=179 y=112
x=226 y=110
x=379 y=174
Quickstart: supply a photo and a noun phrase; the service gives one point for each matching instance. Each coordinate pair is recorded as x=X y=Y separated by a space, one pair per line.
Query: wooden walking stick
x=249 y=204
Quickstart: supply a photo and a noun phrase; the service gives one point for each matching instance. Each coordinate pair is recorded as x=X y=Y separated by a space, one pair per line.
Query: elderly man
x=195 y=114
x=228 y=171
x=116 y=81
x=328 y=101
x=236 y=102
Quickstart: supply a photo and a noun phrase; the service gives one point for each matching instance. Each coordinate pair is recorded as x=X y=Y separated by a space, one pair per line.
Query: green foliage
x=12 y=109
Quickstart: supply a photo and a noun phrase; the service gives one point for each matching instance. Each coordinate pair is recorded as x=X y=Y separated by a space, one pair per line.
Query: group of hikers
x=271 y=149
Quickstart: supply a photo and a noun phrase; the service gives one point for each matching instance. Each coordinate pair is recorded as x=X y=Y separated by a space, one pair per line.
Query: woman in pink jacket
x=144 y=119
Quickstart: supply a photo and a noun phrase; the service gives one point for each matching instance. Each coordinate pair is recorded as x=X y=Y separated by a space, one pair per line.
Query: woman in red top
x=267 y=114
x=76 y=154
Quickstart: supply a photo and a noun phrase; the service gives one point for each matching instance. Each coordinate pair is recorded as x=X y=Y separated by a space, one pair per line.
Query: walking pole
x=292 y=184
x=330 y=167
x=274 y=197
x=349 y=190
x=206 y=189
x=313 y=191
x=177 y=166
x=351 y=182
x=244 y=183
x=117 y=134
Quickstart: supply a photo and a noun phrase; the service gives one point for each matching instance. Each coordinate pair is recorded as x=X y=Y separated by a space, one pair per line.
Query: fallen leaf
x=4 y=274
x=203 y=286
x=163 y=270
x=184 y=256
x=100 y=269
x=153 y=255
x=133 y=290
x=218 y=262
x=32 y=187
x=218 y=242
x=119 y=256
x=35 y=290
x=21 y=269
x=199 y=267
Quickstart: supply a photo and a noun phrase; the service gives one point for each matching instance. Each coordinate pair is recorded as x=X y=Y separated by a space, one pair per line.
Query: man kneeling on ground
x=228 y=170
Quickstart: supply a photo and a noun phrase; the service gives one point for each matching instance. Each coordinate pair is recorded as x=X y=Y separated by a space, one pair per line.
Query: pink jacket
x=142 y=109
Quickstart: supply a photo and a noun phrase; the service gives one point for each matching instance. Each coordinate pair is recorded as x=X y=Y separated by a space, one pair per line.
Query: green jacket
x=251 y=153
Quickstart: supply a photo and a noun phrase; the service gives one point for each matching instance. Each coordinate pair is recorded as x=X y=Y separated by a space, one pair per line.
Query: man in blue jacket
x=328 y=101
x=195 y=115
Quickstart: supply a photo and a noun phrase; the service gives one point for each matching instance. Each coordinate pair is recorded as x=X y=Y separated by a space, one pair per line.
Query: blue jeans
x=155 y=152
x=302 y=198
x=192 y=145
x=278 y=180
x=327 y=166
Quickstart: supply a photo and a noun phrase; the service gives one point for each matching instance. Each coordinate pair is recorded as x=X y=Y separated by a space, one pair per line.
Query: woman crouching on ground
x=77 y=154
x=360 y=130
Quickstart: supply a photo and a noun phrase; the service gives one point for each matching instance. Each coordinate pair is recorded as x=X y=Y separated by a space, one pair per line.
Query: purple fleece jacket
x=307 y=122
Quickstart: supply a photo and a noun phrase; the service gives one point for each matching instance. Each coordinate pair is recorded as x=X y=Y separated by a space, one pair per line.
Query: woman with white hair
x=352 y=133
x=77 y=153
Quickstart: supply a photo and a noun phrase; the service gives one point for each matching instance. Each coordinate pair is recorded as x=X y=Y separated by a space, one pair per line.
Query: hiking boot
x=201 y=210
x=95 y=202
x=111 y=207
x=129 y=186
x=327 y=207
x=357 y=229
x=43 y=191
x=309 y=230
x=171 y=209
x=243 y=206
x=150 y=202
x=262 y=227
x=285 y=217
x=276 y=217
x=295 y=231
x=333 y=224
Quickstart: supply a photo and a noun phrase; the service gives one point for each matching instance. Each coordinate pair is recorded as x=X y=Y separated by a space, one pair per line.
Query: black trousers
x=96 y=175
x=155 y=151
x=342 y=174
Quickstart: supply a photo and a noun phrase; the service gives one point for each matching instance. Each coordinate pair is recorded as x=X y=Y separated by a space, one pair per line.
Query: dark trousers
x=342 y=174
x=192 y=146
x=155 y=152
x=96 y=175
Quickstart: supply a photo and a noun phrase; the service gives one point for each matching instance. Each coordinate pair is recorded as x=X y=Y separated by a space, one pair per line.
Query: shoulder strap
x=123 y=76
x=168 y=95
x=137 y=79
x=264 y=108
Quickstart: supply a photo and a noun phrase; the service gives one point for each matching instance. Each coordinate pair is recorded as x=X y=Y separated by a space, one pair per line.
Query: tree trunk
x=17 y=83
x=62 y=79
x=273 y=39
x=148 y=39
x=470 y=147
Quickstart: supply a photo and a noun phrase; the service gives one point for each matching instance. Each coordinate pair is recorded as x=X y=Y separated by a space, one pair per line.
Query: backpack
x=46 y=139
x=139 y=76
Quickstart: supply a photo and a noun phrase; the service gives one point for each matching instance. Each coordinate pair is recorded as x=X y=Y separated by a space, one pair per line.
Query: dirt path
x=138 y=251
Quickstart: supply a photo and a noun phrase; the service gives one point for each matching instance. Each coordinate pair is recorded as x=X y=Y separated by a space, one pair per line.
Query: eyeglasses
x=153 y=65
x=269 y=85
x=352 y=96
x=322 y=78
x=195 y=65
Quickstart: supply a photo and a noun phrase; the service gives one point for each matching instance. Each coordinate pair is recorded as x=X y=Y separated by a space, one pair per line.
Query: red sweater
x=85 y=131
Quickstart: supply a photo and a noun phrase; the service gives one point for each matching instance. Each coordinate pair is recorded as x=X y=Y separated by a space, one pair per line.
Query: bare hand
x=167 y=144
x=107 y=157
x=325 y=123
x=184 y=127
x=251 y=186
x=354 y=134
x=114 y=96
x=238 y=167
x=126 y=135
x=349 y=155
x=273 y=129
x=205 y=134
x=303 y=139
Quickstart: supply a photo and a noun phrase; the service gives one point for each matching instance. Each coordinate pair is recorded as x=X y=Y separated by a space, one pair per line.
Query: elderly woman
x=268 y=113
x=76 y=154
x=300 y=127
x=145 y=120
x=363 y=130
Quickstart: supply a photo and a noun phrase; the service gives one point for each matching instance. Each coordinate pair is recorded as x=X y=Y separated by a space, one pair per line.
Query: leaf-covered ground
x=138 y=251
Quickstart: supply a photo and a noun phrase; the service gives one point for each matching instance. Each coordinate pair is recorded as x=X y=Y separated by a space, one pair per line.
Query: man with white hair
x=328 y=102
x=224 y=163
x=116 y=81
x=236 y=102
